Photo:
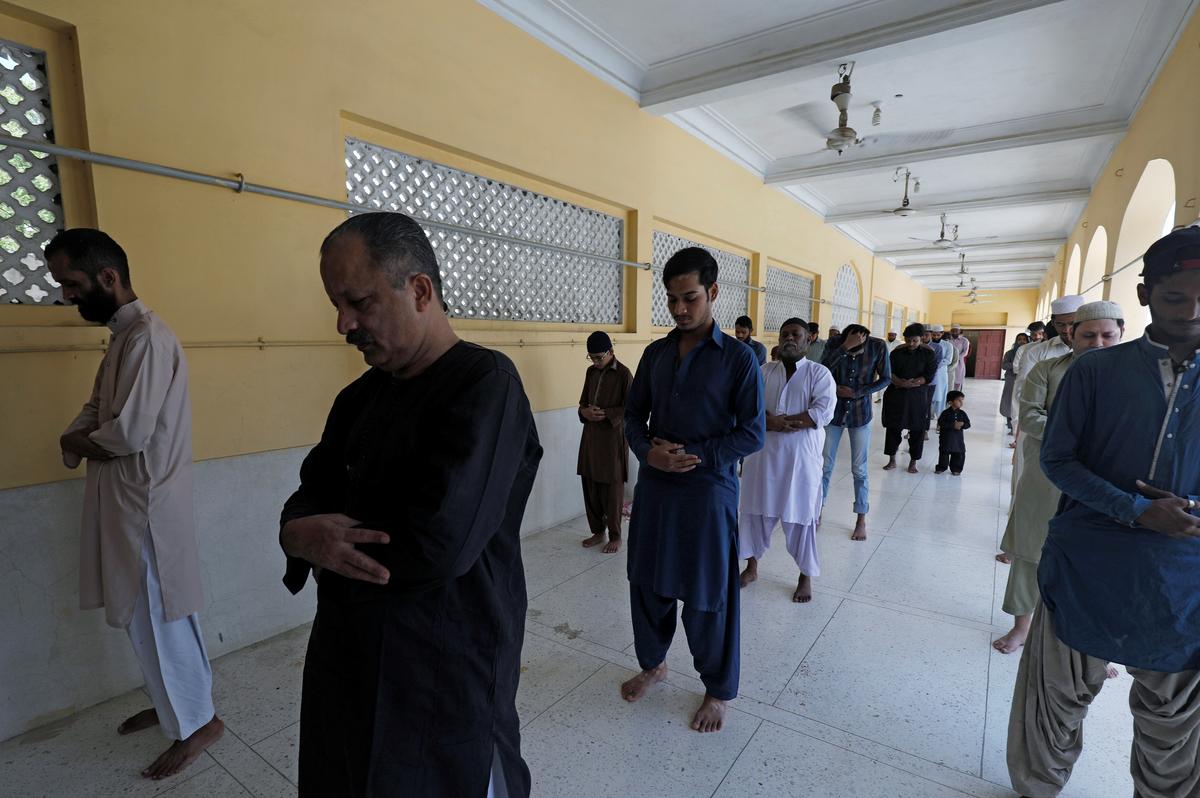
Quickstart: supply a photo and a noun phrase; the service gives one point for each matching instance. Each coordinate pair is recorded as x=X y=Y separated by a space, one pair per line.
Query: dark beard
x=97 y=306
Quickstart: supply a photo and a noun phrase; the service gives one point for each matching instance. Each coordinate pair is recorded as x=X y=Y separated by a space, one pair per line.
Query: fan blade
x=816 y=117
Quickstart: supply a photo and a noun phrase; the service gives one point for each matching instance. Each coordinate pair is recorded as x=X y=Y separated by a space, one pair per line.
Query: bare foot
x=710 y=717
x=751 y=573
x=860 y=529
x=613 y=546
x=184 y=752
x=803 y=593
x=636 y=687
x=1004 y=558
x=891 y=464
x=1015 y=637
x=142 y=720
x=1012 y=445
x=912 y=466
x=1111 y=672
x=594 y=540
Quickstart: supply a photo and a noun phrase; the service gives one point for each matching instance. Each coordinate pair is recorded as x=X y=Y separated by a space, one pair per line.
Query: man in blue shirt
x=1121 y=566
x=743 y=328
x=695 y=408
x=860 y=367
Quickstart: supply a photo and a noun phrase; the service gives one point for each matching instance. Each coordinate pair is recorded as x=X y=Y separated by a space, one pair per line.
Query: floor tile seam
x=734 y=762
x=541 y=593
x=900 y=754
x=816 y=639
x=950 y=543
x=565 y=695
x=250 y=747
x=918 y=612
x=548 y=633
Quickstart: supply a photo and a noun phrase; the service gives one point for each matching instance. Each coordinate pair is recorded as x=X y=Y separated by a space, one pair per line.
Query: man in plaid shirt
x=860 y=367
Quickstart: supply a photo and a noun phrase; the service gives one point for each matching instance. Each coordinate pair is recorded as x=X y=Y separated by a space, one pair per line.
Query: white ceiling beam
x=940 y=267
x=933 y=284
x=752 y=63
x=801 y=168
x=998 y=245
x=932 y=207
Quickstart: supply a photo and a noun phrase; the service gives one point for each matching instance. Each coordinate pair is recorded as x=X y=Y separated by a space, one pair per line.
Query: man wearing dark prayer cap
x=603 y=450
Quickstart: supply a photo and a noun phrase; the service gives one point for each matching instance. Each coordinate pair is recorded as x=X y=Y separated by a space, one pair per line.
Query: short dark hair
x=855 y=328
x=1037 y=326
x=395 y=243
x=952 y=395
x=90 y=251
x=814 y=328
x=914 y=330
x=744 y=321
x=794 y=320
x=689 y=260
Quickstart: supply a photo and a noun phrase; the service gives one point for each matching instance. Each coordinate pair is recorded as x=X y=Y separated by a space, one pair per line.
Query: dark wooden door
x=987 y=353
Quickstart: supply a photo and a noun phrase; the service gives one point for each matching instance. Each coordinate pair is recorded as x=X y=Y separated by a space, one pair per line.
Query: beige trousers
x=1055 y=686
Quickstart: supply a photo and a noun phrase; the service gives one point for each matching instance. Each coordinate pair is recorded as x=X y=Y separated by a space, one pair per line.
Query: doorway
x=987 y=353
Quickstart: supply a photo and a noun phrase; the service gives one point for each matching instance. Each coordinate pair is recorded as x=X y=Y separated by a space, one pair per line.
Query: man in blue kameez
x=1120 y=572
x=694 y=410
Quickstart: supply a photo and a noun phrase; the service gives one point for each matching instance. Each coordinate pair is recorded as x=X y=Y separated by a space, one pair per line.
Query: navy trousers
x=713 y=637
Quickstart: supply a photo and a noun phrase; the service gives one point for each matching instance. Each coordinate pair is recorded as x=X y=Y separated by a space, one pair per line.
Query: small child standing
x=952 y=452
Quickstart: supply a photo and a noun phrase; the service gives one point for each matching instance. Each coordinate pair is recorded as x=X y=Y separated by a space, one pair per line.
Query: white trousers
x=754 y=538
x=497 y=788
x=172 y=655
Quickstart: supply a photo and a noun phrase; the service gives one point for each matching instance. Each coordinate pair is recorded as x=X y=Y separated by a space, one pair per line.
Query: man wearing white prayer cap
x=1062 y=316
x=944 y=357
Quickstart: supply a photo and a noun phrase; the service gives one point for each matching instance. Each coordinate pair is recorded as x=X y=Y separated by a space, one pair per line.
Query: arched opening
x=1071 y=283
x=1091 y=284
x=1149 y=215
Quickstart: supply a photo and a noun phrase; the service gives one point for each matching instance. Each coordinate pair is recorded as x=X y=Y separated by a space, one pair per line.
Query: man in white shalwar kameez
x=138 y=554
x=782 y=482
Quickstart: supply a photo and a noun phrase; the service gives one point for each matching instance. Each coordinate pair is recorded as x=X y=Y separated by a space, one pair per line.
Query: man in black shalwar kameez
x=906 y=400
x=408 y=512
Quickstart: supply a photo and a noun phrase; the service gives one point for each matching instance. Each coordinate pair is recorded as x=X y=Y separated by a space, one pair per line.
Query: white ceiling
x=1009 y=110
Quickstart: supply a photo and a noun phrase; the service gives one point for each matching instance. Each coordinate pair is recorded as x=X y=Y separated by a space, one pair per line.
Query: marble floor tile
x=257 y=690
x=282 y=752
x=782 y=762
x=555 y=555
x=950 y=580
x=594 y=605
x=911 y=683
x=548 y=672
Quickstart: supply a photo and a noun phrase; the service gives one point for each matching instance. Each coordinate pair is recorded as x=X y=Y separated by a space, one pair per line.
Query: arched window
x=1071 y=283
x=847 y=297
x=1091 y=285
x=1149 y=216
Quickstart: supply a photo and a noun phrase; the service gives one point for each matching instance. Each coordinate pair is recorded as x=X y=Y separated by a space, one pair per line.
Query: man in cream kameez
x=138 y=554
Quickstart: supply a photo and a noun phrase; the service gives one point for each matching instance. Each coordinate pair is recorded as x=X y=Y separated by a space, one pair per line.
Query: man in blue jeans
x=860 y=367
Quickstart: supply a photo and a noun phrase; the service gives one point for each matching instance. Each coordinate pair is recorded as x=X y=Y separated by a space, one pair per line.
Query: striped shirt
x=867 y=372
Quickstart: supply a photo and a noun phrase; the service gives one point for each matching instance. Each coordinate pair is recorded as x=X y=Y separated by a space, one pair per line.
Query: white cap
x=1099 y=310
x=1066 y=304
x=956 y=326
x=936 y=328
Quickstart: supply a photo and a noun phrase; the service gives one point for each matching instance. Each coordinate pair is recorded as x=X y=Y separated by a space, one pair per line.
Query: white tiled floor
x=885 y=685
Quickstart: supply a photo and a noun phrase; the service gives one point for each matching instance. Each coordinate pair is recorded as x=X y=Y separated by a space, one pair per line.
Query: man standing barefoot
x=782 y=483
x=694 y=410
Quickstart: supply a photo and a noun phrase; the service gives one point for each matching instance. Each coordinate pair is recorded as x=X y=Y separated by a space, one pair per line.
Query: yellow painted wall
x=1012 y=309
x=269 y=89
x=1164 y=127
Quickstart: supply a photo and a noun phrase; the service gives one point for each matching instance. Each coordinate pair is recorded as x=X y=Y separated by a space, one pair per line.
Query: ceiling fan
x=904 y=209
x=942 y=242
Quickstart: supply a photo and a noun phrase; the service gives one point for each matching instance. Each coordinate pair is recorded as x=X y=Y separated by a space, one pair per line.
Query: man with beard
x=694 y=410
x=944 y=374
x=408 y=513
x=1118 y=571
x=1097 y=325
x=782 y=483
x=906 y=401
x=861 y=366
x=962 y=348
x=138 y=555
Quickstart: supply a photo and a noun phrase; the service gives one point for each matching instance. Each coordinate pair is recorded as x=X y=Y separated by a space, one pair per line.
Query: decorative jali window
x=788 y=295
x=897 y=319
x=879 y=318
x=733 y=295
x=847 y=300
x=30 y=203
x=486 y=278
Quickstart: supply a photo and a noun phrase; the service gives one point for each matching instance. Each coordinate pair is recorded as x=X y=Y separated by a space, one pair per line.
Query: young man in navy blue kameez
x=694 y=410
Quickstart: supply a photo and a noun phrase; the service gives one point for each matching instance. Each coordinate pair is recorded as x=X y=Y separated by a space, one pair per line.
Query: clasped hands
x=671 y=457
x=79 y=443
x=900 y=382
x=793 y=423
x=327 y=542
x=1168 y=514
x=592 y=413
